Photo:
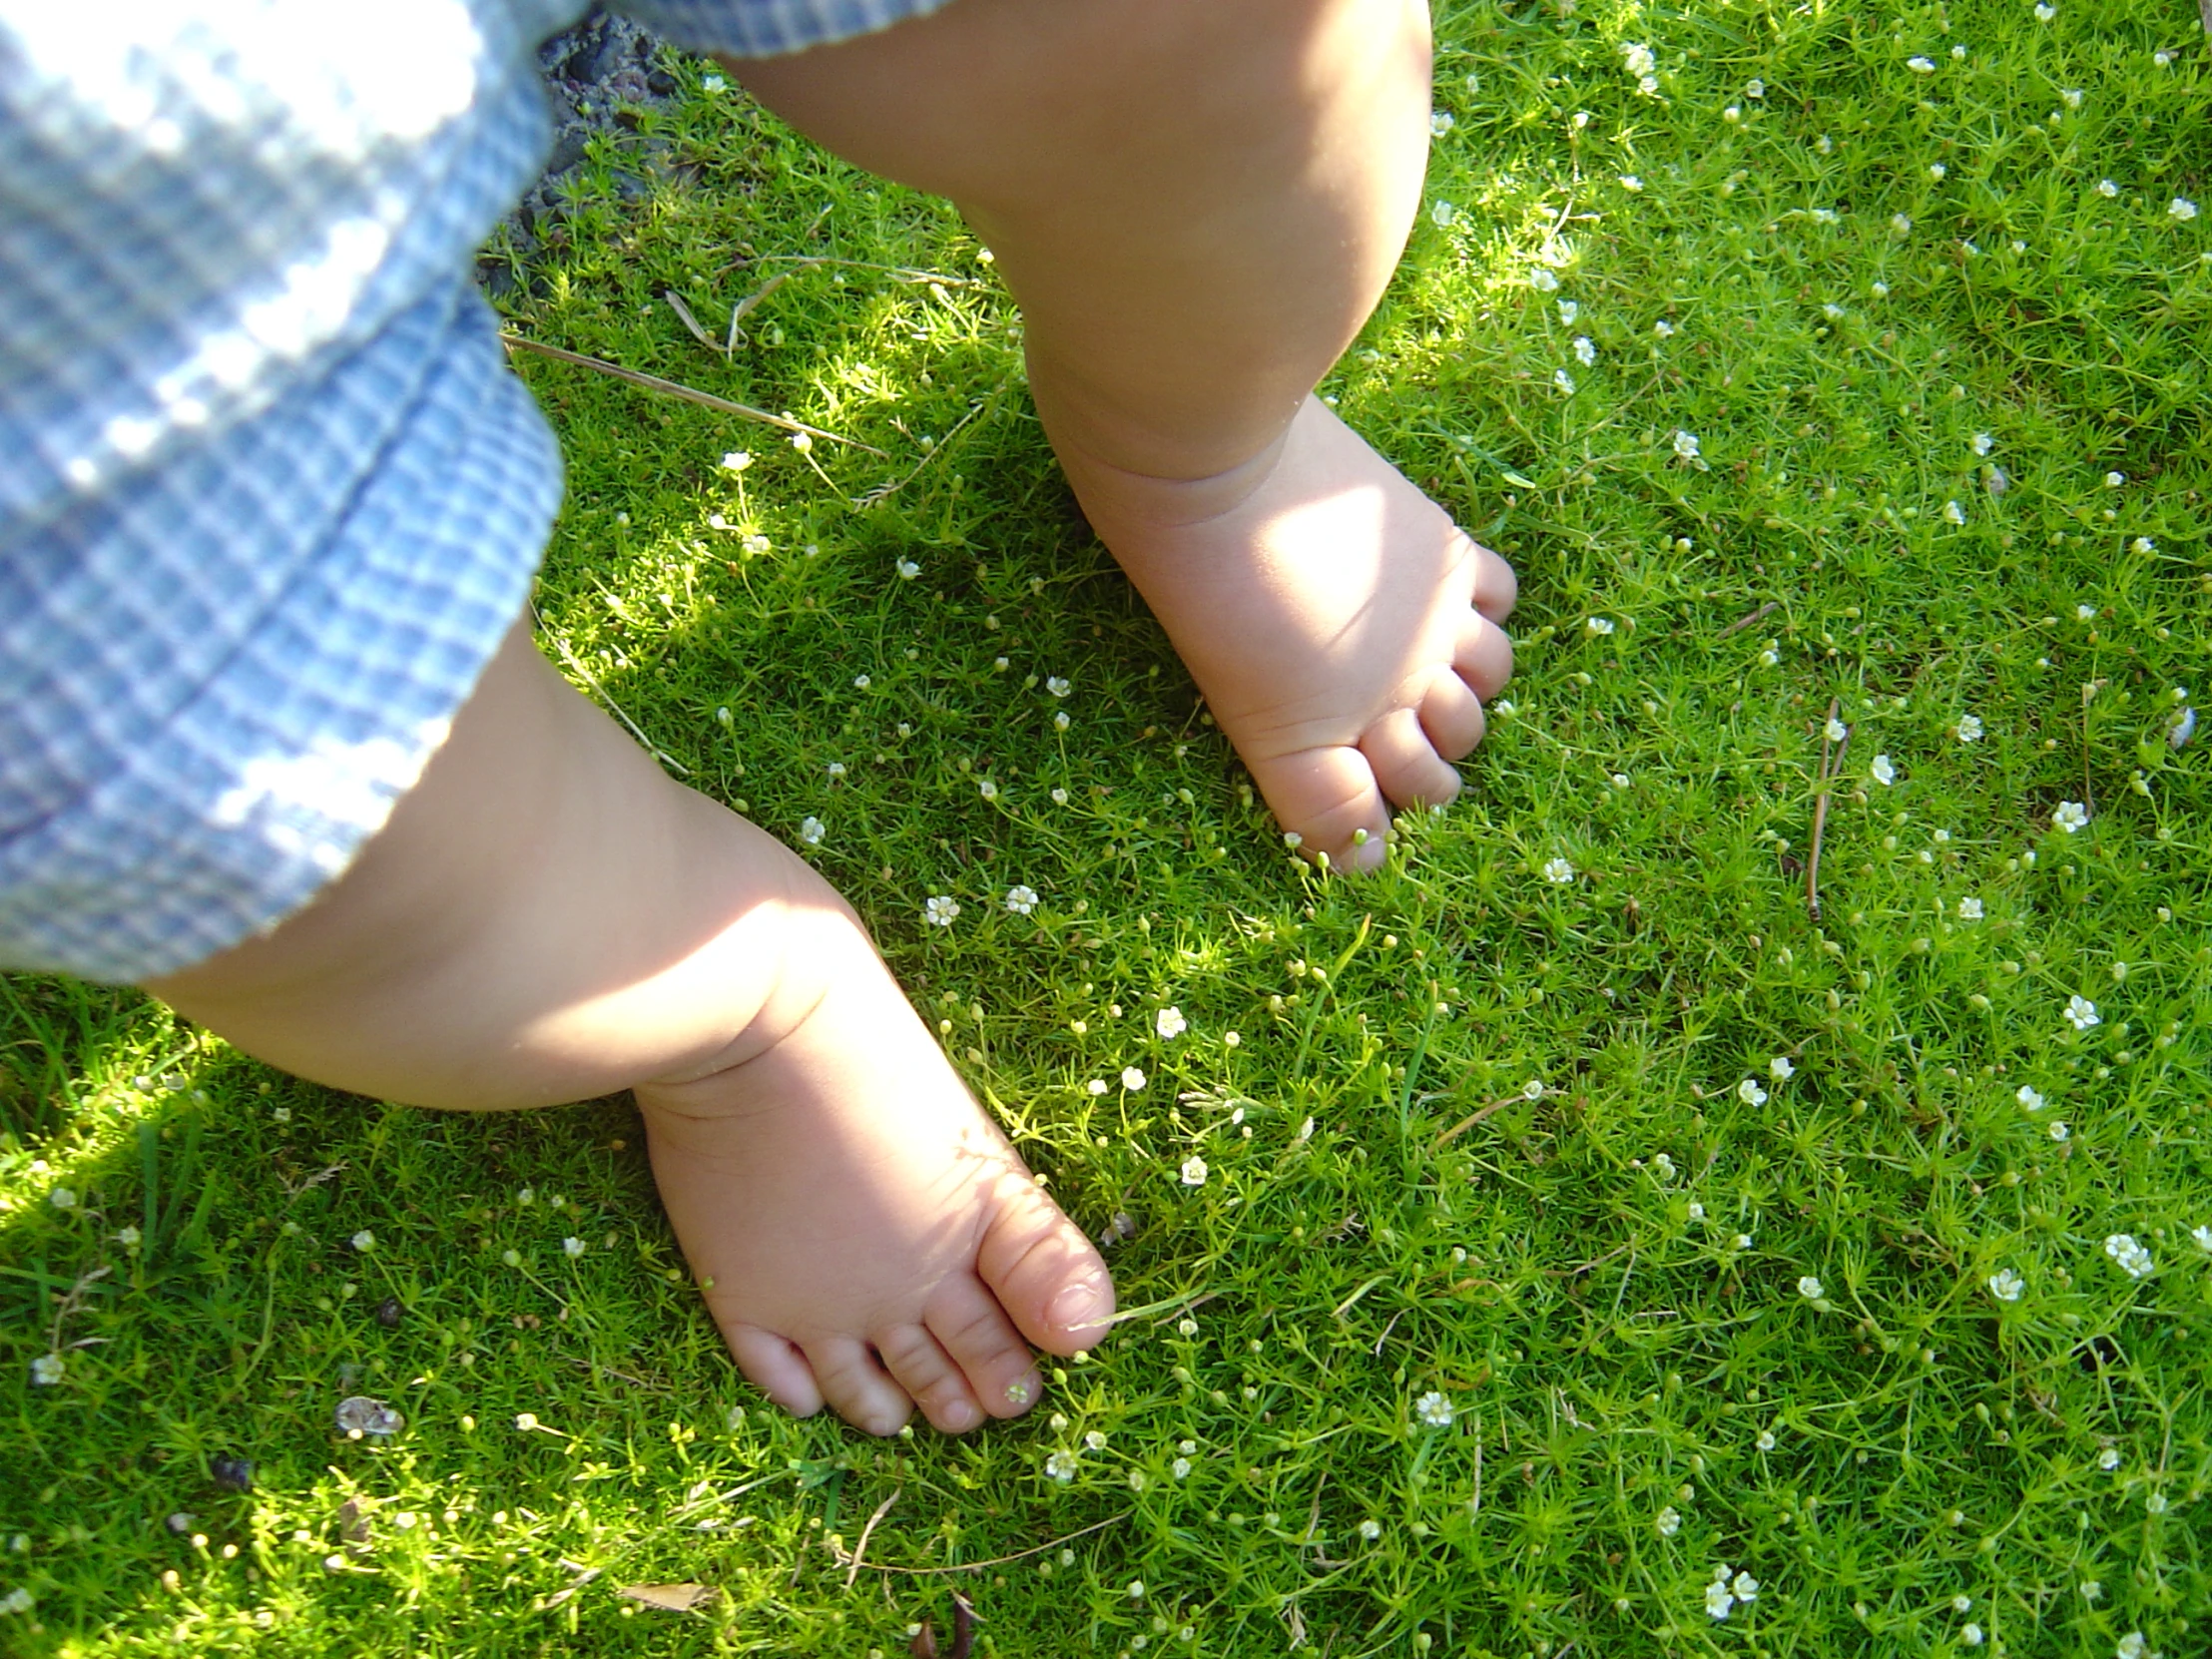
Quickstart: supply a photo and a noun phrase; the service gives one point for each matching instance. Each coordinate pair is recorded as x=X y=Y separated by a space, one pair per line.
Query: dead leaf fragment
x=673 y=1598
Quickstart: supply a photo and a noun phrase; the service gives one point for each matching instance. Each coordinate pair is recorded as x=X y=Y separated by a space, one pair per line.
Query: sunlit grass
x=1578 y=1215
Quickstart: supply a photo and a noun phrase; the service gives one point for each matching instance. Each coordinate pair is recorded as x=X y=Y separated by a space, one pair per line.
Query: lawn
x=1735 y=1184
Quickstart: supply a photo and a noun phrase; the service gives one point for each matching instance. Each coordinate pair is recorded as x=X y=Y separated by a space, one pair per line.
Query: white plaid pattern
x=269 y=497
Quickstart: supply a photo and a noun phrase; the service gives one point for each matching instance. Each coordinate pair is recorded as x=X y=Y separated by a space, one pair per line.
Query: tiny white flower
x=1669 y=1521
x=1718 y=1601
x=62 y=1198
x=2162 y=58
x=1637 y=59
x=1098 y=1085
x=2059 y=1131
x=573 y=1245
x=1883 y=770
x=1062 y=1466
x=1969 y=1635
x=2131 y=1646
x=1585 y=352
x=1568 y=312
x=1564 y=381
x=1749 y=1093
x=1901 y=224
x=2155 y=1504
x=2045 y=11
x=1021 y=901
x=2081 y=1014
x=2029 y=1097
x=1769 y=657
x=1919 y=65
x=1880 y=290
x=1180 y=1469
x=1685 y=445
x=1823 y=216
x=2182 y=209
x=1968 y=728
x=129 y=1237
x=2203 y=1237
x=46 y=1371
x=1558 y=871
x=836 y=769
x=1599 y=625
x=2142 y=544
x=1136 y=1589
x=1809 y=1288
x=1780 y=1068
x=736 y=460
x=365 y=1240
x=1938 y=170
x=1835 y=730
x=1533 y=1089
x=1665 y=330
x=940 y=909
x=1059 y=797
x=1833 y=313
x=1982 y=443
x=1439 y=123
x=988 y=789
x=1371 y=1530
x=1765 y=1442
x=1630 y=183
x=1741 y=1240
x=525 y=1421
x=1170 y=1023
x=812 y=830
x=1132 y=1080
x=1543 y=280
x=2110 y=1459
x=2007 y=1285
x=1060 y=721
x=1059 y=686
x=2132 y=1258
x=2069 y=816
x=1954 y=513
x=1434 y=1409
x=1697 y=1211
x=1746 y=1587
x=1970 y=909
x=2107 y=188
x=2085 y=613
x=17 y=1600
x=907 y=570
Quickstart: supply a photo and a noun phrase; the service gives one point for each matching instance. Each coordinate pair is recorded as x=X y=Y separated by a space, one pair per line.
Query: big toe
x=1046 y=1275
x=1328 y=800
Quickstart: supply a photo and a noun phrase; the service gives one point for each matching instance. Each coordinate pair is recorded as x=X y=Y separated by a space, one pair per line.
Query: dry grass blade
x=1766 y=610
x=1830 y=763
x=853 y=1567
x=745 y=306
x=673 y=1598
x=884 y=492
x=684 y=315
x=996 y=1560
x=671 y=388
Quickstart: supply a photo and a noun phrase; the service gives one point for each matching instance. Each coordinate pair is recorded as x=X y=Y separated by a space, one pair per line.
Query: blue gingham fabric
x=269 y=498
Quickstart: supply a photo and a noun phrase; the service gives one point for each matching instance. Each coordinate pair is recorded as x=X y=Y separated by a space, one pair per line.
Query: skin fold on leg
x=548 y=917
x=1197 y=206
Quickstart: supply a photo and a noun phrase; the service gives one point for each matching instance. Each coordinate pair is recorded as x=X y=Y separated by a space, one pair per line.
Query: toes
x=1484 y=656
x=1329 y=796
x=1495 y=586
x=1044 y=1272
x=923 y=1367
x=970 y=1325
x=1405 y=764
x=857 y=1387
x=775 y=1366
x=1451 y=716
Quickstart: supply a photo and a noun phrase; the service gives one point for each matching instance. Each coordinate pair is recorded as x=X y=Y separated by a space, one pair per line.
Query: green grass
x=1606 y=1274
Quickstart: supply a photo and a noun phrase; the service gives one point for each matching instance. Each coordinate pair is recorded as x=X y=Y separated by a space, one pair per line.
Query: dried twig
x=1830 y=766
x=671 y=388
x=1469 y=1122
x=883 y=492
x=1743 y=622
x=745 y=307
x=853 y=1567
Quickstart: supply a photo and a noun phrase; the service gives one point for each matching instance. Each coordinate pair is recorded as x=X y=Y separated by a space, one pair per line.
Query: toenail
x=959 y=1415
x=1078 y=1306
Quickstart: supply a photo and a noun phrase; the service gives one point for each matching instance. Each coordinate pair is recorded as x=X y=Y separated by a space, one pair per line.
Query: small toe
x=920 y=1366
x=1451 y=715
x=1045 y=1273
x=775 y=1366
x=857 y=1387
x=1484 y=656
x=1405 y=764
x=970 y=1325
x=1497 y=588
x=1328 y=797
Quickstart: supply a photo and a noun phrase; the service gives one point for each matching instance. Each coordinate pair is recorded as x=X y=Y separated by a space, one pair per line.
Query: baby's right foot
x=865 y=1235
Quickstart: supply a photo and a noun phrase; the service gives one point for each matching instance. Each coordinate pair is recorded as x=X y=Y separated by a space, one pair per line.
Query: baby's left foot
x=1343 y=629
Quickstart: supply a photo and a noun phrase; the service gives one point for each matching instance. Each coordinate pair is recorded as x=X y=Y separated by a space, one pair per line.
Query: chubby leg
x=548 y=917
x=1197 y=206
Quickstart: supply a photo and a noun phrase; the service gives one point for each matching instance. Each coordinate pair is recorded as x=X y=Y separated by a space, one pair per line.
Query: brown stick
x=853 y=1567
x=1743 y=622
x=1001 y=1560
x=671 y=388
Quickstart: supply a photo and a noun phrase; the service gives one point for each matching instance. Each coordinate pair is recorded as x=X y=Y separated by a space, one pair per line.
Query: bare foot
x=865 y=1235
x=1343 y=629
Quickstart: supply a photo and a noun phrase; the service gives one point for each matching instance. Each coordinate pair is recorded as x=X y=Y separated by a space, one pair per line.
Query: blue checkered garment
x=269 y=498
